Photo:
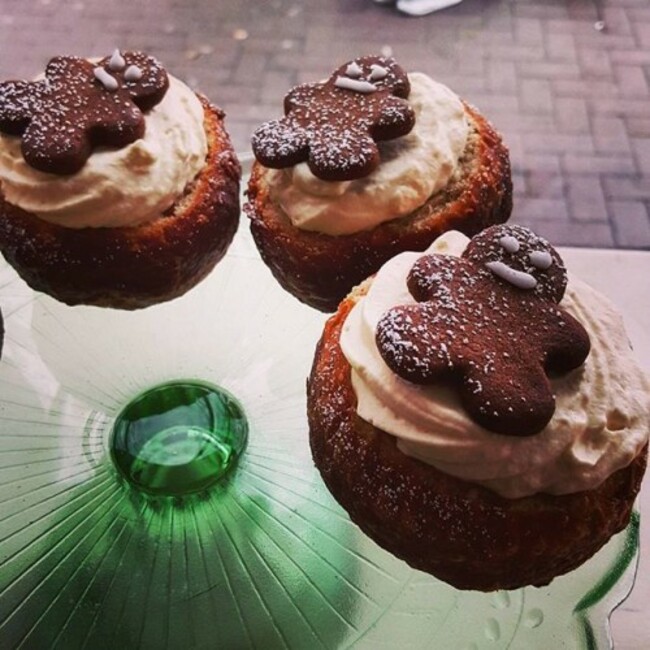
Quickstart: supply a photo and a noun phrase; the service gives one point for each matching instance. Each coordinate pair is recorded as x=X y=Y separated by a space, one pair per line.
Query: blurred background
x=565 y=81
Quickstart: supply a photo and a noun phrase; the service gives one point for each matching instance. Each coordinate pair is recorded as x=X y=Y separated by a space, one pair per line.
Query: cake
x=363 y=166
x=477 y=415
x=119 y=186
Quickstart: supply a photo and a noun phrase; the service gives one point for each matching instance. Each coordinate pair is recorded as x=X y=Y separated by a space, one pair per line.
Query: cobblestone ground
x=572 y=102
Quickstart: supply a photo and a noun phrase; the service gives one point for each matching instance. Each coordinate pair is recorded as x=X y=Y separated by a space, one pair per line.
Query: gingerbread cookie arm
x=277 y=144
x=397 y=118
x=569 y=346
x=431 y=276
x=412 y=349
x=16 y=104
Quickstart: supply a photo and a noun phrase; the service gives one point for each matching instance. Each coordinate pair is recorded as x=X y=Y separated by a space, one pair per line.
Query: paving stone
x=545 y=10
x=631 y=224
x=594 y=61
x=543 y=208
x=535 y=96
x=627 y=187
x=610 y=134
x=630 y=56
x=550 y=71
x=502 y=77
x=558 y=143
x=502 y=50
x=586 y=199
x=542 y=163
x=528 y=31
x=490 y=104
x=638 y=127
x=275 y=86
x=642 y=31
x=541 y=184
x=631 y=81
x=591 y=88
x=571 y=115
x=617 y=19
x=518 y=187
x=621 y=107
x=641 y=147
x=560 y=46
x=571 y=233
x=582 y=11
x=605 y=40
x=561 y=26
x=597 y=164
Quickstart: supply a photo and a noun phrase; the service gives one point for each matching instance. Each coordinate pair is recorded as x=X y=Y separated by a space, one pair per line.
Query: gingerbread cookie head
x=489 y=325
x=80 y=105
x=335 y=125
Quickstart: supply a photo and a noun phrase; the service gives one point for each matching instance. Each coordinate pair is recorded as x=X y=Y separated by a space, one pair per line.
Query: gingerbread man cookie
x=80 y=105
x=334 y=126
x=489 y=324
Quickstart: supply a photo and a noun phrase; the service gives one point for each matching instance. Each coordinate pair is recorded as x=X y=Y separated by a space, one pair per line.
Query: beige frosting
x=413 y=168
x=116 y=187
x=602 y=415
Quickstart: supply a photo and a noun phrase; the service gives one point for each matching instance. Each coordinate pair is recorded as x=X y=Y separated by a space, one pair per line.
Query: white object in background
x=419 y=7
x=422 y=7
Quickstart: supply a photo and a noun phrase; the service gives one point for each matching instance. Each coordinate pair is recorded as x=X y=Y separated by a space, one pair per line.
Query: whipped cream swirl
x=413 y=168
x=602 y=415
x=116 y=187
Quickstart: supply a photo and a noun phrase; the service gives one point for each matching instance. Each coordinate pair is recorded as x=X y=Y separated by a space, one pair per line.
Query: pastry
x=368 y=164
x=119 y=186
x=479 y=417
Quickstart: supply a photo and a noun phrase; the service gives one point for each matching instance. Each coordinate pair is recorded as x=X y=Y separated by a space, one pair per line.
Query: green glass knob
x=178 y=438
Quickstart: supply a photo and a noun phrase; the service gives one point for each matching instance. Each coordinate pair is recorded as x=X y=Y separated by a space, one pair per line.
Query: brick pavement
x=572 y=102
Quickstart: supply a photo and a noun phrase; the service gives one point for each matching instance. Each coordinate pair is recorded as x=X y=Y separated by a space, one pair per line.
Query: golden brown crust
x=462 y=533
x=321 y=269
x=130 y=268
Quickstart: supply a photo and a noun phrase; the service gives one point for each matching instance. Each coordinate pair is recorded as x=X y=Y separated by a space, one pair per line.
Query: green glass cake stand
x=157 y=491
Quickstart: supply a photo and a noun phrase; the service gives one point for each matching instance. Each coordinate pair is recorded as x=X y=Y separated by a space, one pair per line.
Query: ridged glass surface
x=264 y=557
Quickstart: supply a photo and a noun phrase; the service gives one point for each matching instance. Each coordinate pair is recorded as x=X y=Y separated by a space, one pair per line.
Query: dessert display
x=370 y=163
x=262 y=557
x=479 y=413
x=119 y=186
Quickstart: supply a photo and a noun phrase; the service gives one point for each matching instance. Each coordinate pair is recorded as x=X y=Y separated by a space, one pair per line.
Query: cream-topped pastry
x=369 y=163
x=601 y=419
x=478 y=412
x=119 y=186
x=413 y=167
x=123 y=186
